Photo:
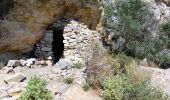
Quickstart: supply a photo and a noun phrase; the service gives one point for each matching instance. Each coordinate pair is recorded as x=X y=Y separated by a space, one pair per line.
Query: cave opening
x=57 y=44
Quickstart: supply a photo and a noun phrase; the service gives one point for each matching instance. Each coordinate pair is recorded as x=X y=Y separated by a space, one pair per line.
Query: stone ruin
x=65 y=40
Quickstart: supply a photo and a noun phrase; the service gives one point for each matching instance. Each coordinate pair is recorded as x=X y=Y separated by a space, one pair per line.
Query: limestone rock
x=13 y=63
x=16 y=89
x=30 y=62
x=23 y=28
x=64 y=64
x=3 y=94
x=76 y=92
x=15 y=78
x=57 y=87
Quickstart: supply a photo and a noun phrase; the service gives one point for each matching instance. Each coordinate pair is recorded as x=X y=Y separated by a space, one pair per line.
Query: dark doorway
x=58 y=45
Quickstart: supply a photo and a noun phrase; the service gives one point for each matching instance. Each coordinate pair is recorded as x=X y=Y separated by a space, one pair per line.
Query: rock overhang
x=25 y=22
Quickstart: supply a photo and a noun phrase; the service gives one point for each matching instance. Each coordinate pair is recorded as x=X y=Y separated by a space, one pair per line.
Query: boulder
x=13 y=63
x=64 y=64
x=15 y=78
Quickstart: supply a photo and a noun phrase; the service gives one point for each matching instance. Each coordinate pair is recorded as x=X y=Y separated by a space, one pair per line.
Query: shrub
x=69 y=80
x=166 y=27
x=130 y=20
x=78 y=65
x=163 y=59
x=123 y=59
x=99 y=64
x=146 y=92
x=36 y=90
x=88 y=85
x=116 y=87
x=131 y=86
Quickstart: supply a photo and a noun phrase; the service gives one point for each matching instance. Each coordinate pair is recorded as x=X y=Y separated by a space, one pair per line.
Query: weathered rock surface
x=160 y=78
x=15 y=78
x=3 y=94
x=25 y=23
x=13 y=63
x=77 y=93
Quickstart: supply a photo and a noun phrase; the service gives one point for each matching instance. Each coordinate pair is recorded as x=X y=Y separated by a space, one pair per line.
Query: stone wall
x=77 y=37
x=43 y=49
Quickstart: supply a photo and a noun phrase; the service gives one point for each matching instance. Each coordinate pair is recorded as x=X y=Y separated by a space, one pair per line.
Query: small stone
x=15 y=78
x=49 y=63
x=64 y=64
x=50 y=58
x=46 y=49
x=65 y=41
x=57 y=87
x=30 y=62
x=3 y=94
x=17 y=89
x=43 y=63
x=13 y=63
x=72 y=40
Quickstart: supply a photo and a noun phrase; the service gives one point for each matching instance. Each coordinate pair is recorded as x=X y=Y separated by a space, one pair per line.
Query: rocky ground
x=160 y=78
x=15 y=76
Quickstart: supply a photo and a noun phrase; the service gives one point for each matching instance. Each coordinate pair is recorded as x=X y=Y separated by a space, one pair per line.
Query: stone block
x=13 y=63
x=15 y=78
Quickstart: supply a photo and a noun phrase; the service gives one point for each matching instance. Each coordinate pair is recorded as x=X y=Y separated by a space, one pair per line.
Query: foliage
x=88 y=85
x=131 y=19
x=68 y=80
x=100 y=64
x=123 y=59
x=116 y=87
x=146 y=92
x=163 y=59
x=166 y=27
x=36 y=90
x=131 y=86
x=78 y=65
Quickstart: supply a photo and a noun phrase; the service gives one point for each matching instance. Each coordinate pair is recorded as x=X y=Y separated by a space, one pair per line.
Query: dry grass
x=100 y=65
x=135 y=74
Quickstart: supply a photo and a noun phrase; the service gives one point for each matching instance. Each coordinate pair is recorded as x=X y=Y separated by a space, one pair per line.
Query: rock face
x=24 y=24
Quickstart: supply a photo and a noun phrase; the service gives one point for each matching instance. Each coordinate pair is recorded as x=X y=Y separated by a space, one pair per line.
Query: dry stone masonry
x=77 y=37
x=44 y=47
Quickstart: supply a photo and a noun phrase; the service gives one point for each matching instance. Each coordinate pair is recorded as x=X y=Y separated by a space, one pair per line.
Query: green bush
x=36 y=90
x=88 y=85
x=134 y=85
x=121 y=88
x=146 y=92
x=78 y=65
x=166 y=27
x=116 y=87
x=123 y=59
x=69 y=80
x=134 y=19
x=163 y=59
